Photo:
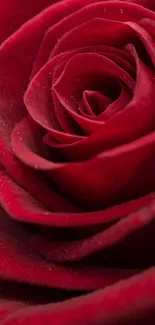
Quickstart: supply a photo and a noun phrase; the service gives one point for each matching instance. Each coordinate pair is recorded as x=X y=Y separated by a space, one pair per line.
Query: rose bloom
x=77 y=162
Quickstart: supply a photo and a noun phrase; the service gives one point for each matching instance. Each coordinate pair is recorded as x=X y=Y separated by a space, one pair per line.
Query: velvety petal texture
x=77 y=152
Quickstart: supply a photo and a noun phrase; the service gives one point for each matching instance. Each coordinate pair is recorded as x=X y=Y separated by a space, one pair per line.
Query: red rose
x=77 y=153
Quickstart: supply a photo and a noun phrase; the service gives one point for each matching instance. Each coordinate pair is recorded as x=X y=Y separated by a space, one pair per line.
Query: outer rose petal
x=22 y=207
x=14 y=13
x=76 y=250
x=125 y=303
x=19 y=262
x=100 y=9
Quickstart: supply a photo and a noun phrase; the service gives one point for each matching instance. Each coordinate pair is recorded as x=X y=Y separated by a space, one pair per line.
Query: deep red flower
x=77 y=152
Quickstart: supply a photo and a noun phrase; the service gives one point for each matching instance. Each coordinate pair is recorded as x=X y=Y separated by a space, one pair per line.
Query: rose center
x=95 y=102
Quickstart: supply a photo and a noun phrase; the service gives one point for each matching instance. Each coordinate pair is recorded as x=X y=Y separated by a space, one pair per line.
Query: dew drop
x=121 y=11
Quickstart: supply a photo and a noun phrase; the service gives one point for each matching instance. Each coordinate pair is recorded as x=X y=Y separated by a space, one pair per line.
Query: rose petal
x=148 y=25
x=19 y=262
x=122 y=128
x=106 y=168
x=21 y=206
x=12 y=55
x=146 y=39
x=93 y=32
x=39 y=102
x=15 y=13
x=90 y=69
x=30 y=294
x=93 y=103
x=76 y=250
x=34 y=183
x=114 y=305
x=87 y=13
x=120 y=103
